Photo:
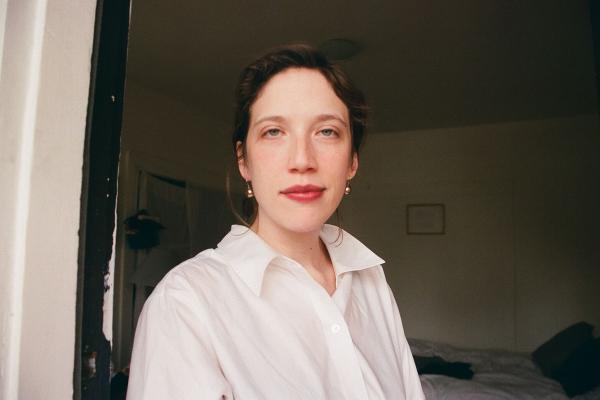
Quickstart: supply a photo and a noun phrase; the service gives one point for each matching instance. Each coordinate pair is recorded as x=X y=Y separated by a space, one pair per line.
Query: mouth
x=303 y=193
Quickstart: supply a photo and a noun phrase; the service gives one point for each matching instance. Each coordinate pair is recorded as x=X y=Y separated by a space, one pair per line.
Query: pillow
x=581 y=371
x=552 y=354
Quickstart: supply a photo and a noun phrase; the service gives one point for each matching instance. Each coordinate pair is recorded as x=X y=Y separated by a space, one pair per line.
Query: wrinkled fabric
x=244 y=322
x=499 y=374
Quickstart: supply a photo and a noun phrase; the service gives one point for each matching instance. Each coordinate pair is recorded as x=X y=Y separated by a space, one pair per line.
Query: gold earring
x=249 y=191
x=348 y=188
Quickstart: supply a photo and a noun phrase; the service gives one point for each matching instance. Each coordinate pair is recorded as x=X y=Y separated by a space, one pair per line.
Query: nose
x=302 y=155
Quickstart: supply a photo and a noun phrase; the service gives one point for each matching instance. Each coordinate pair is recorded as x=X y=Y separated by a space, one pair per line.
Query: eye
x=273 y=132
x=327 y=132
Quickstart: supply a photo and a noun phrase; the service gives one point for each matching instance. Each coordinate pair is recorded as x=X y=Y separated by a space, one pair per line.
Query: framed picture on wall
x=425 y=219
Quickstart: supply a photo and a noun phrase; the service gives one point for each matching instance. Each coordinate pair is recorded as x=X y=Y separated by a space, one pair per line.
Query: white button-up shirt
x=245 y=322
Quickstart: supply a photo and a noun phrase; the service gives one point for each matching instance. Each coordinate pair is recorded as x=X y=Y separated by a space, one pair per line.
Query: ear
x=241 y=161
x=353 y=166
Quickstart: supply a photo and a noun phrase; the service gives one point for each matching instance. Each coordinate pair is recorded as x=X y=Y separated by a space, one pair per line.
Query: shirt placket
x=339 y=342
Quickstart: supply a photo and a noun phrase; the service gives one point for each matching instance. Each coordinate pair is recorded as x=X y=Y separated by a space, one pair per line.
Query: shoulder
x=374 y=274
x=196 y=278
x=372 y=283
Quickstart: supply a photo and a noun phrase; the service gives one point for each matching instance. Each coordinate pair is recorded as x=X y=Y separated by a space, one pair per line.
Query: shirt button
x=335 y=328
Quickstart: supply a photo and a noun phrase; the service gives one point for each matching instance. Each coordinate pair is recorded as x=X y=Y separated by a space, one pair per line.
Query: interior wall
x=179 y=137
x=519 y=260
x=164 y=136
x=44 y=83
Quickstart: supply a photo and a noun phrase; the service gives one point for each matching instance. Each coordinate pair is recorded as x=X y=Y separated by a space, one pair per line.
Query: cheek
x=338 y=165
x=264 y=166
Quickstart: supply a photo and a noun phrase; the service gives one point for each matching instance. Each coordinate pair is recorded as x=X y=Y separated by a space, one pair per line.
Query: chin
x=297 y=219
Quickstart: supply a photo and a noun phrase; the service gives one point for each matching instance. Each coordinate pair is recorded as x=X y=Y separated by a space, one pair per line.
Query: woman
x=289 y=307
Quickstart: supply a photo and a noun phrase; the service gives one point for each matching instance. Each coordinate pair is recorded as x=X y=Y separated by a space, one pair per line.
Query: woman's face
x=298 y=151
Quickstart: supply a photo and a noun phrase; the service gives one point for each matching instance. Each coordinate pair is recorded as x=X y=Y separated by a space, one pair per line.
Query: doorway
x=422 y=74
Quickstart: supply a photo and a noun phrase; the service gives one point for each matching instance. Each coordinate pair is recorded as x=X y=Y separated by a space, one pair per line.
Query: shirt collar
x=249 y=255
x=347 y=253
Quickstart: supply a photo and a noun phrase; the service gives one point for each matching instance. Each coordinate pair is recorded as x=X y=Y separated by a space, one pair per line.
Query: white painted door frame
x=45 y=50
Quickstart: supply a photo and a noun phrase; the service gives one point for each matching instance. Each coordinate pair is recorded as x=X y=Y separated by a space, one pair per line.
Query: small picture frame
x=425 y=219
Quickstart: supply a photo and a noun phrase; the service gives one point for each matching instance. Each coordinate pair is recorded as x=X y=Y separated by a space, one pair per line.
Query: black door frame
x=91 y=377
x=595 y=20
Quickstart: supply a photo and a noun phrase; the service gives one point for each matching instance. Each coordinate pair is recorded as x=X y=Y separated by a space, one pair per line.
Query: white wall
x=521 y=256
x=44 y=84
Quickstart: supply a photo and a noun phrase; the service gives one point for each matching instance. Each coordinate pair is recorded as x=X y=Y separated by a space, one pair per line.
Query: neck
x=304 y=247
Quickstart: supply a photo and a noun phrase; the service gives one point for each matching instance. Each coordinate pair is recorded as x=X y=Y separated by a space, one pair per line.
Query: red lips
x=303 y=193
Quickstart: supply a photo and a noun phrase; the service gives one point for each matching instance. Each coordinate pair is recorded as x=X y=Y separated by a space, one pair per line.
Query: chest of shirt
x=295 y=337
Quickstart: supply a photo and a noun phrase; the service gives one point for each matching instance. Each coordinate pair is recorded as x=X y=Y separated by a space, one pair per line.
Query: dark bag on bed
x=553 y=353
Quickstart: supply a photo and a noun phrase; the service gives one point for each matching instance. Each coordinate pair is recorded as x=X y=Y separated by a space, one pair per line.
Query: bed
x=497 y=374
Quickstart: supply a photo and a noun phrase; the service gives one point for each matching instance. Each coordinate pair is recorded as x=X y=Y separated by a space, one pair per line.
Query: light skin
x=299 y=134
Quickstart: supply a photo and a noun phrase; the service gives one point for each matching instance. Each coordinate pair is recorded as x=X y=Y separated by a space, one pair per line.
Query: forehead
x=297 y=92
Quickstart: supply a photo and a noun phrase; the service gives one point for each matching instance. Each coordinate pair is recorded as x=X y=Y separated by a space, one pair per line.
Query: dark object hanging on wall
x=141 y=230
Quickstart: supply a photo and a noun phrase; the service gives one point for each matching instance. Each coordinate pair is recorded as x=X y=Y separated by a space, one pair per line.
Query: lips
x=303 y=193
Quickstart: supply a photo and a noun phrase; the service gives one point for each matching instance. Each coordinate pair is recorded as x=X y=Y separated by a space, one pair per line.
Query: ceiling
x=424 y=64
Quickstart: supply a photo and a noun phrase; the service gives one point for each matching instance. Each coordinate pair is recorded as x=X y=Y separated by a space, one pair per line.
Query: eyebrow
x=318 y=118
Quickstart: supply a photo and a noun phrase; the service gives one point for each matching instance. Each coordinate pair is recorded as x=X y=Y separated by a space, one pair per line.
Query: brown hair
x=255 y=76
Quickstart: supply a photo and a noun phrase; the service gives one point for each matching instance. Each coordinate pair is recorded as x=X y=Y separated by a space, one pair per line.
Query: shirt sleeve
x=172 y=354
x=412 y=383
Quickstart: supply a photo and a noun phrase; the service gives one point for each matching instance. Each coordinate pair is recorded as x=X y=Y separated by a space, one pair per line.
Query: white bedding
x=498 y=375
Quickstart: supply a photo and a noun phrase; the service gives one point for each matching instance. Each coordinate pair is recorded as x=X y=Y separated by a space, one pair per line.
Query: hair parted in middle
x=256 y=75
